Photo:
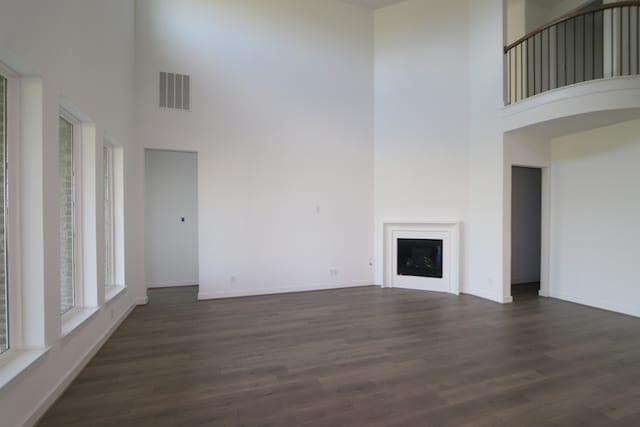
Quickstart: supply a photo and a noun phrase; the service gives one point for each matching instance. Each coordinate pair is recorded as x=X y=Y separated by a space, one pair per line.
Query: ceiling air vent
x=175 y=91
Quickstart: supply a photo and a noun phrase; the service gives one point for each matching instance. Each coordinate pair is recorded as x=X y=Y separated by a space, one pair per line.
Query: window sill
x=76 y=318
x=14 y=362
x=111 y=292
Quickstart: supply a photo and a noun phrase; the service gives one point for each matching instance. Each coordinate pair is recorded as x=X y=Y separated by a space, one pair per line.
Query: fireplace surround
x=422 y=255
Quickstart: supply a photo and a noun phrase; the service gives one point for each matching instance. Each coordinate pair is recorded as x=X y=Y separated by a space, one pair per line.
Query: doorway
x=526 y=232
x=171 y=218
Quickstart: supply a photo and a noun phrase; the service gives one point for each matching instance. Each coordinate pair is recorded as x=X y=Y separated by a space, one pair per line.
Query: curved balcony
x=594 y=44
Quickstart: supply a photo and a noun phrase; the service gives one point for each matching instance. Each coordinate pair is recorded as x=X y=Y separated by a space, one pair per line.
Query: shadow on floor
x=525 y=291
x=175 y=295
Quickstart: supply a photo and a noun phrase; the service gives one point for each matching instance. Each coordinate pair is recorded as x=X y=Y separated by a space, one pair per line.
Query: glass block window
x=67 y=220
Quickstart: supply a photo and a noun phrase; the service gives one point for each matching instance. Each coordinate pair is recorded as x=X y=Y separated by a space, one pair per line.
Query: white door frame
x=545 y=237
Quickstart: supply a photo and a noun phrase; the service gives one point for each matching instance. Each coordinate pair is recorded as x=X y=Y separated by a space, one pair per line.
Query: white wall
x=282 y=122
x=526 y=222
x=564 y=7
x=171 y=194
x=421 y=138
x=483 y=234
x=525 y=16
x=516 y=20
x=82 y=50
x=595 y=211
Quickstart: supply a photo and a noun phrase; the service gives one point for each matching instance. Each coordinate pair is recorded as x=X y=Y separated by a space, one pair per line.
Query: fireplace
x=420 y=258
x=422 y=255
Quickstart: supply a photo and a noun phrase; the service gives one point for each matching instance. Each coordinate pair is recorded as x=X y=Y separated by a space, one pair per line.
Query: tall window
x=4 y=297
x=109 y=217
x=67 y=217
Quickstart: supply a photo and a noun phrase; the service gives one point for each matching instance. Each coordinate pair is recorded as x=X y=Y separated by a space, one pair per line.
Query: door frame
x=144 y=232
x=545 y=228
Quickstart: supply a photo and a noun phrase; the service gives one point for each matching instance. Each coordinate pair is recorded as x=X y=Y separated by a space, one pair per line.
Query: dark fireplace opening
x=420 y=258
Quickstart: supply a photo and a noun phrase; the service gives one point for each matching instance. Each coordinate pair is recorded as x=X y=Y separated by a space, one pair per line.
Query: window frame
x=118 y=285
x=7 y=218
x=78 y=279
x=109 y=189
x=24 y=233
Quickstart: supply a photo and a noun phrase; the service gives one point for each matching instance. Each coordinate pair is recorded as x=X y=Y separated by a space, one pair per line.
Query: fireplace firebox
x=420 y=258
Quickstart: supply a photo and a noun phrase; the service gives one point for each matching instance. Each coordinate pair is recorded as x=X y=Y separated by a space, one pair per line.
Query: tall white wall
x=281 y=117
x=171 y=195
x=421 y=127
x=83 y=50
x=483 y=233
x=595 y=209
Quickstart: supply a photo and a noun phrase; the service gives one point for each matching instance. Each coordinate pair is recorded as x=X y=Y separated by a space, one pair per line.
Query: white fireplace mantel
x=447 y=230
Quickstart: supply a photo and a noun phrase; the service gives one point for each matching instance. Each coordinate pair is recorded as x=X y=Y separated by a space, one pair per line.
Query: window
x=69 y=294
x=109 y=217
x=113 y=178
x=4 y=297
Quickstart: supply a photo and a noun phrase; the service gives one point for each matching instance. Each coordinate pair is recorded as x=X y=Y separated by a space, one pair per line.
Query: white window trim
x=78 y=280
x=27 y=335
x=112 y=290
x=15 y=362
x=12 y=298
x=110 y=235
x=12 y=222
x=86 y=302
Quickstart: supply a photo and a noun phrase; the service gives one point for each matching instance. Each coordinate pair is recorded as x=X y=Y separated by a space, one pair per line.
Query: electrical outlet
x=233 y=279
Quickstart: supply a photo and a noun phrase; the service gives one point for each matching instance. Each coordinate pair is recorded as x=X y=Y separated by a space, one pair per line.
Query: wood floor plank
x=359 y=357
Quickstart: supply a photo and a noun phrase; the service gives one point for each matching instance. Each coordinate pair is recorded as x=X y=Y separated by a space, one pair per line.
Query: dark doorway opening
x=526 y=232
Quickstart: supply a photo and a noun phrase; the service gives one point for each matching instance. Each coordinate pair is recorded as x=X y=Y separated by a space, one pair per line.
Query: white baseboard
x=68 y=378
x=629 y=310
x=233 y=293
x=499 y=298
x=171 y=285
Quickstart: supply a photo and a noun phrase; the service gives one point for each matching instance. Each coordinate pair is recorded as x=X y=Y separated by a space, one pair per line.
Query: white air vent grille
x=175 y=91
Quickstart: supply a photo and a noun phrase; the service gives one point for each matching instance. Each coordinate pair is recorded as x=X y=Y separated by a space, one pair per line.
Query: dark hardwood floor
x=359 y=357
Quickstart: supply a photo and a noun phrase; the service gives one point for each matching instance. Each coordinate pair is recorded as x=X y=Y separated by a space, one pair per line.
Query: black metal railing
x=596 y=43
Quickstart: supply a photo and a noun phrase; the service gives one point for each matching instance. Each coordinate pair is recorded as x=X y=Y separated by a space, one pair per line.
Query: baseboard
x=500 y=299
x=257 y=292
x=616 y=308
x=67 y=379
x=171 y=285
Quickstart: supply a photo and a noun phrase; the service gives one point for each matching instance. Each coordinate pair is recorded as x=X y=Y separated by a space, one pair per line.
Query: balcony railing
x=596 y=43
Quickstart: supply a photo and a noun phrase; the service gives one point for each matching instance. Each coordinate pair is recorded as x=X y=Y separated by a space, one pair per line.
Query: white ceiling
x=373 y=4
